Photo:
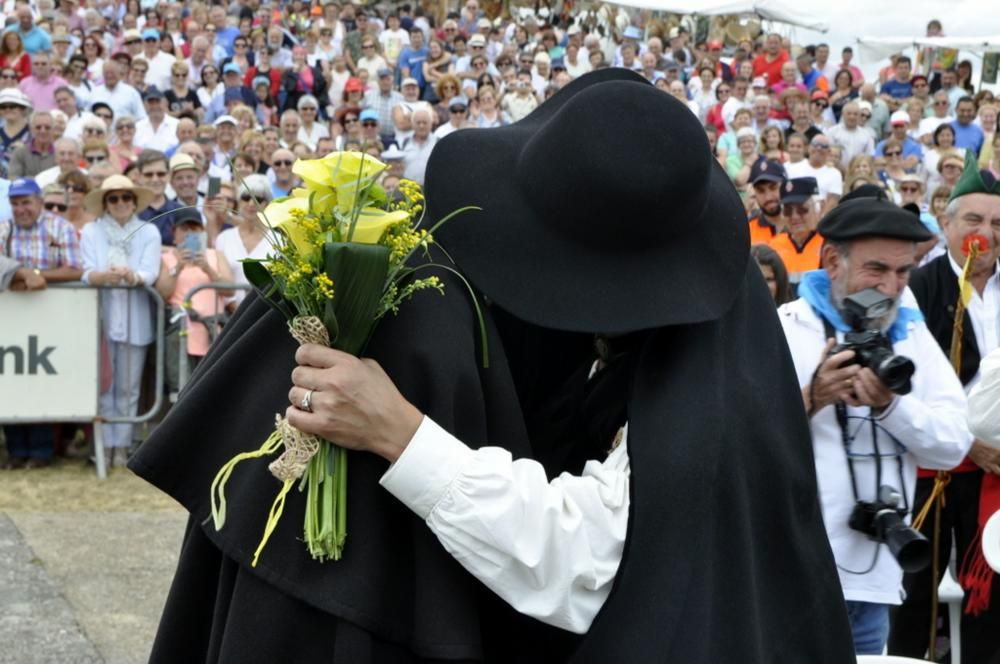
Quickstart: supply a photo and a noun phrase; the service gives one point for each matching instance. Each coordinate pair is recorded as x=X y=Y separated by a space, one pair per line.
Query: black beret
x=867 y=217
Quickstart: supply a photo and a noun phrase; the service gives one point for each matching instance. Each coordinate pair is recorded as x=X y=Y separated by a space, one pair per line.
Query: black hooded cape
x=726 y=558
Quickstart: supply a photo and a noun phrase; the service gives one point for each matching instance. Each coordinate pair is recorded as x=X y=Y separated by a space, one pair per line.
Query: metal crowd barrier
x=213 y=324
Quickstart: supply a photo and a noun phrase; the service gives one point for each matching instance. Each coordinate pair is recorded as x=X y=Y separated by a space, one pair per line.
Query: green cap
x=975 y=181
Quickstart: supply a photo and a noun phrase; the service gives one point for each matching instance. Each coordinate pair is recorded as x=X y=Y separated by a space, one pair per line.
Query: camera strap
x=840 y=408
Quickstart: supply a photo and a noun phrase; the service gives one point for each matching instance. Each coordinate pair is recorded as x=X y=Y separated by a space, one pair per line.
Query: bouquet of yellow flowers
x=340 y=264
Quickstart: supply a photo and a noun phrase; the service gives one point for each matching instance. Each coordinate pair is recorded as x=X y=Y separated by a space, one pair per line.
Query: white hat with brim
x=991 y=541
x=94 y=202
x=16 y=97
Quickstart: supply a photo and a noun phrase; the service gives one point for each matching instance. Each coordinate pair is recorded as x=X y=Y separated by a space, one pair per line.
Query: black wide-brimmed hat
x=602 y=211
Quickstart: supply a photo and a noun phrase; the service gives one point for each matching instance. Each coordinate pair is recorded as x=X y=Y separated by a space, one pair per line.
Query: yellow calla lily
x=324 y=199
x=372 y=223
x=344 y=172
x=278 y=214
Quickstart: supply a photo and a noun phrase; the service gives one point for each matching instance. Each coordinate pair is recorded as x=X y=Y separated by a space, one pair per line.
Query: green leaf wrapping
x=358 y=272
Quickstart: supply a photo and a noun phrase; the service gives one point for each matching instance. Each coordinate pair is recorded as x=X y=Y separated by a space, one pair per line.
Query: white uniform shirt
x=929 y=422
x=162 y=138
x=984 y=401
x=549 y=549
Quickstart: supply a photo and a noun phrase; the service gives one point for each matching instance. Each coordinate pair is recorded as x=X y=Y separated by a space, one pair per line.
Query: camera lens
x=896 y=371
x=910 y=549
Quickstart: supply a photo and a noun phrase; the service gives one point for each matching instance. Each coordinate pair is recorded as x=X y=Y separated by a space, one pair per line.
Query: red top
x=771 y=70
x=20 y=64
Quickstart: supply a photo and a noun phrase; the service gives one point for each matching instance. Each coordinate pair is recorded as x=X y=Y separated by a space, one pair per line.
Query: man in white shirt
x=941 y=114
x=829 y=179
x=157 y=130
x=160 y=62
x=737 y=100
x=852 y=138
x=871 y=428
x=120 y=96
x=417 y=148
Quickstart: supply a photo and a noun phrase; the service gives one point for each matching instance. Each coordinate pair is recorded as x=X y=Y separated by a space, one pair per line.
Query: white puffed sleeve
x=549 y=549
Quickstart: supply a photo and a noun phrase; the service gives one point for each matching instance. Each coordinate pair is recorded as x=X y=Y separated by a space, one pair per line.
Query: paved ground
x=84 y=565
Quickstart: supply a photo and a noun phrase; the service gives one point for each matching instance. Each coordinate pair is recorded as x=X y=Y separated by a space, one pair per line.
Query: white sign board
x=49 y=355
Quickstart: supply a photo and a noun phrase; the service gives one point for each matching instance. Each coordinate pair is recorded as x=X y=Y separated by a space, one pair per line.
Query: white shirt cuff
x=425 y=470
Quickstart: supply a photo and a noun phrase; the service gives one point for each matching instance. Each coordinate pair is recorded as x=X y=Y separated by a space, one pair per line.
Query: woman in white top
x=119 y=250
x=210 y=85
x=249 y=238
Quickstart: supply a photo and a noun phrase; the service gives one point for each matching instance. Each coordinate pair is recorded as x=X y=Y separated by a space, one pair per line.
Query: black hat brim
x=536 y=274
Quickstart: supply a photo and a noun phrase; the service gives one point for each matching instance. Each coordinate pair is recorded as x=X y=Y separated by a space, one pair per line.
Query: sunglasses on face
x=115 y=199
x=246 y=198
x=42 y=128
x=820 y=146
x=821 y=104
x=126 y=127
x=795 y=210
x=909 y=190
x=8 y=107
x=155 y=174
x=141 y=70
x=866 y=116
x=93 y=159
x=894 y=153
x=369 y=123
x=56 y=207
x=350 y=120
x=93 y=130
x=281 y=163
x=150 y=39
x=133 y=42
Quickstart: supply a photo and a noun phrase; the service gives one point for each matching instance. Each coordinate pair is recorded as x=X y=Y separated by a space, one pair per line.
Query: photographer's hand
x=832 y=382
x=869 y=390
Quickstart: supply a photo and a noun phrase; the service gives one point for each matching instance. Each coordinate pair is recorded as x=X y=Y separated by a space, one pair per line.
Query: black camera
x=882 y=521
x=871 y=347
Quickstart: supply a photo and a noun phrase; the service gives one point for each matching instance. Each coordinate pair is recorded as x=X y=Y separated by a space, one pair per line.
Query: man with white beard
x=871 y=425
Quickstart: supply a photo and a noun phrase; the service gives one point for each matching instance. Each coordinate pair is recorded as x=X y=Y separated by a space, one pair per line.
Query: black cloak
x=726 y=558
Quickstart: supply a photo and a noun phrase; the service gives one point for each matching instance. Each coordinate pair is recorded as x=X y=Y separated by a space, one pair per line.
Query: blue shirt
x=414 y=61
x=35 y=40
x=164 y=221
x=968 y=136
x=897 y=90
x=910 y=147
x=226 y=37
x=812 y=78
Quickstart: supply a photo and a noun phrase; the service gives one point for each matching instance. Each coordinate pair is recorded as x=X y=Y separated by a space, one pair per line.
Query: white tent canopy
x=878 y=48
x=771 y=10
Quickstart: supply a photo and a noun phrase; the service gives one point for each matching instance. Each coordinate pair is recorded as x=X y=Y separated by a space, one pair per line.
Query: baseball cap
x=187 y=215
x=759 y=82
x=232 y=67
x=384 y=71
x=368 y=114
x=483 y=24
x=408 y=81
x=899 y=118
x=767 y=170
x=131 y=34
x=150 y=33
x=152 y=92
x=392 y=154
x=222 y=119
x=558 y=63
x=23 y=187
x=353 y=85
x=458 y=100
x=819 y=94
x=232 y=94
x=799 y=190
x=714 y=44
x=261 y=80
x=477 y=40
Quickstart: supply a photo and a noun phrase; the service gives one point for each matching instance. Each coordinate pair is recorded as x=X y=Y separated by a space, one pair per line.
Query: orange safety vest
x=798 y=259
x=761 y=230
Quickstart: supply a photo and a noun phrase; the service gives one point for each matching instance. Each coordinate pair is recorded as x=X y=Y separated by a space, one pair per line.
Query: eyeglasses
x=821 y=104
x=866 y=116
x=7 y=107
x=246 y=198
x=79 y=189
x=150 y=39
x=820 y=146
x=155 y=174
x=281 y=162
x=141 y=70
x=795 y=210
x=56 y=207
x=457 y=109
x=115 y=199
x=369 y=123
x=350 y=120
x=41 y=128
x=477 y=47
x=894 y=153
x=93 y=130
x=909 y=190
x=368 y=46
x=126 y=127
x=9 y=77
x=179 y=74
x=94 y=158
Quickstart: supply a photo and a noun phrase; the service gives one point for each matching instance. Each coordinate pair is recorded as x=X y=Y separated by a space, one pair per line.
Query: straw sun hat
x=94 y=202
